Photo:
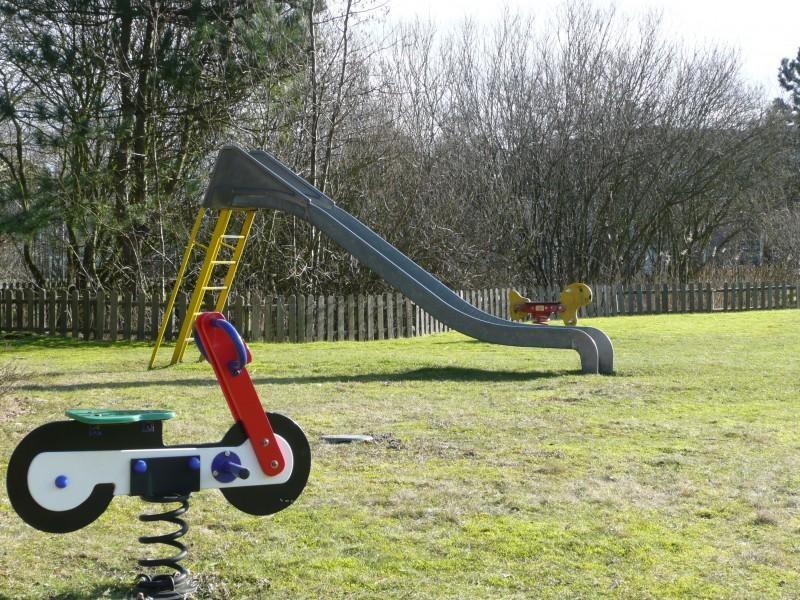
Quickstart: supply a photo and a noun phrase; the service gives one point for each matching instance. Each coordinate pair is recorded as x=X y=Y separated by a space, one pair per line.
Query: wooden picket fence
x=116 y=316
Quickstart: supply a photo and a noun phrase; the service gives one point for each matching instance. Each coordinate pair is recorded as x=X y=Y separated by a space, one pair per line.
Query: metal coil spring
x=179 y=584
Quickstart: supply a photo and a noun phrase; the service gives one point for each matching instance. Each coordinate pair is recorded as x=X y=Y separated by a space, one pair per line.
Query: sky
x=763 y=30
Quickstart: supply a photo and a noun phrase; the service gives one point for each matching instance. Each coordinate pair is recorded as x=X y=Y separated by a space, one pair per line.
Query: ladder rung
x=199 y=245
x=223 y=262
x=231 y=246
x=232 y=237
x=214 y=288
x=189 y=339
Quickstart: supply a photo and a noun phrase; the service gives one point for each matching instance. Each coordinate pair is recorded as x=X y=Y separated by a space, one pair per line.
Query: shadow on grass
x=91 y=593
x=457 y=374
x=23 y=341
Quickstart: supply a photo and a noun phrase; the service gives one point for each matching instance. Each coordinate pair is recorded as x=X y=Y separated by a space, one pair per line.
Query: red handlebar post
x=225 y=350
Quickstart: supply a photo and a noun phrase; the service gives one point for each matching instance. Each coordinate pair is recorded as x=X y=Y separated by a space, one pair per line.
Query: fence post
x=19 y=308
x=597 y=305
x=235 y=312
x=310 y=318
x=409 y=317
x=61 y=319
x=301 y=318
x=40 y=299
x=9 y=297
x=362 y=330
x=127 y=316
x=340 y=318
x=99 y=314
x=262 y=317
x=379 y=308
x=725 y=296
x=292 y=314
x=389 y=316
x=699 y=297
x=87 y=315
x=269 y=323
x=140 y=314
x=630 y=296
x=8 y=301
x=370 y=317
x=74 y=301
x=320 y=319
x=52 y=300
x=113 y=319
x=30 y=314
x=784 y=295
x=155 y=312
x=280 y=320
x=398 y=314
x=351 y=318
x=639 y=306
x=331 y=324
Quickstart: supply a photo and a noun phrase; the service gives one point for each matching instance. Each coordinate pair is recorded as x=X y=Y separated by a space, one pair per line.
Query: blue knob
x=62 y=481
x=194 y=463
x=139 y=466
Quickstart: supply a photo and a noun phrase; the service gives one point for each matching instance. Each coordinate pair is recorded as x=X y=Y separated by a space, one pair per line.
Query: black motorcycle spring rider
x=63 y=475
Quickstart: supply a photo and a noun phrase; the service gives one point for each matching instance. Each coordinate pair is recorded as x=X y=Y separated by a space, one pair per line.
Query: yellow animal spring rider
x=574 y=296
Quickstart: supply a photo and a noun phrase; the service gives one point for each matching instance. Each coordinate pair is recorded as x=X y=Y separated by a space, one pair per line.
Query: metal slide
x=256 y=179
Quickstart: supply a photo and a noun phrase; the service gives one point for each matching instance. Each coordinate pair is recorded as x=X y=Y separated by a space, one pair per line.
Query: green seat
x=101 y=416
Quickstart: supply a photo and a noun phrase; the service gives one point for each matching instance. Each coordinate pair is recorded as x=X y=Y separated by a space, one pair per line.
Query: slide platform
x=256 y=179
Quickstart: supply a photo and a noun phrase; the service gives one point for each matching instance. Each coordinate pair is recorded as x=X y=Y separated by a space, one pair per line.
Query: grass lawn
x=497 y=472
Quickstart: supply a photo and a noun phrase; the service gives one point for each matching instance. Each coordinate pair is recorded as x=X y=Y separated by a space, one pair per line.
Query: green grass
x=497 y=472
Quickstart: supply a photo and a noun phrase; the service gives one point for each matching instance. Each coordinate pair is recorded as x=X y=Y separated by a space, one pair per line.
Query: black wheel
x=269 y=499
x=50 y=438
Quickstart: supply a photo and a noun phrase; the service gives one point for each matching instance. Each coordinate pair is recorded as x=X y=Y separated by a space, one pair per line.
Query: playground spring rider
x=63 y=475
x=574 y=296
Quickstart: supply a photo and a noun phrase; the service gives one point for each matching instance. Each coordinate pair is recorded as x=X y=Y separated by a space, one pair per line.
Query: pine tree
x=789 y=78
x=108 y=107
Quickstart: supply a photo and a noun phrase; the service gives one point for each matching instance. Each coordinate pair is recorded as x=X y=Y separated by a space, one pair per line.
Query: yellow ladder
x=220 y=238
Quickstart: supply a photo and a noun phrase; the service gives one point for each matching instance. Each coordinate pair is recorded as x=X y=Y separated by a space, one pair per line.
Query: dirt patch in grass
x=387 y=440
x=12 y=408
